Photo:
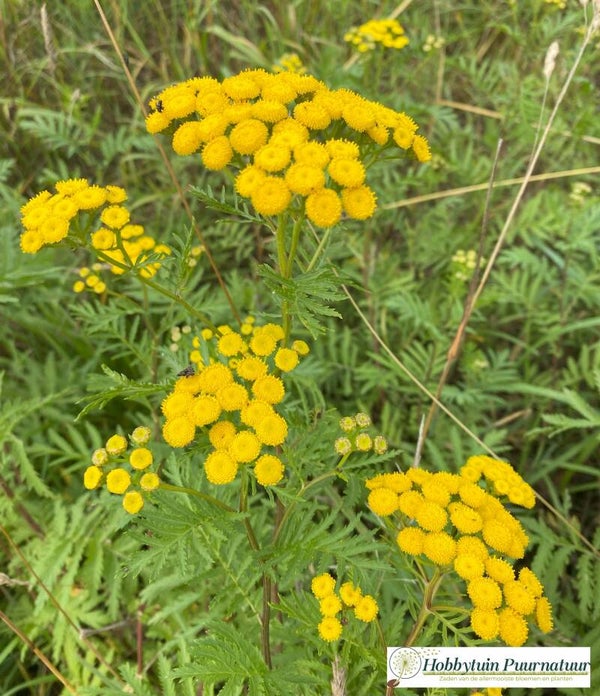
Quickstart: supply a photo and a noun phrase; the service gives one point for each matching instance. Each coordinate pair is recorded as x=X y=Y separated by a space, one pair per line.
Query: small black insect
x=159 y=105
x=188 y=371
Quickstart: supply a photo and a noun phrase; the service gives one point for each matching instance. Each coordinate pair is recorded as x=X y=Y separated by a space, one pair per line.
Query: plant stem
x=285 y=270
x=38 y=653
x=382 y=640
x=243 y=508
x=265 y=623
x=160 y=289
x=322 y=242
x=280 y=241
x=191 y=491
x=265 y=619
x=290 y=507
x=294 y=245
x=430 y=589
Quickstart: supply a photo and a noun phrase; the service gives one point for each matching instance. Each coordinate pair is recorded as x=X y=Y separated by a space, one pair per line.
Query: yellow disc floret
x=221 y=434
x=411 y=540
x=179 y=431
x=269 y=388
x=543 y=614
x=330 y=629
x=118 y=481
x=140 y=458
x=271 y=430
x=366 y=609
x=268 y=470
x=133 y=502
x=330 y=605
x=383 y=501
x=220 y=467
x=322 y=585
x=485 y=593
x=244 y=446
x=92 y=477
x=485 y=623
x=513 y=627
x=149 y=481
x=439 y=547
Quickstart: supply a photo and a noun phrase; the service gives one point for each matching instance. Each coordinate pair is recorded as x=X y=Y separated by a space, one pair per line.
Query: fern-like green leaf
x=167 y=686
x=177 y=534
x=306 y=541
x=56 y=129
x=226 y=656
x=236 y=209
x=560 y=424
x=586 y=584
x=307 y=295
x=125 y=389
x=27 y=472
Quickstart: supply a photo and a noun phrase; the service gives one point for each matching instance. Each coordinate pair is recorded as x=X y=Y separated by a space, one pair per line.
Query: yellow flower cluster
x=357 y=439
x=455 y=522
x=331 y=603
x=433 y=42
x=501 y=477
x=231 y=391
x=90 y=279
x=177 y=334
x=47 y=219
x=580 y=191
x=294 y=142
x=289 y=62
x=131 y=485
x=464 y=263
x=389 y=33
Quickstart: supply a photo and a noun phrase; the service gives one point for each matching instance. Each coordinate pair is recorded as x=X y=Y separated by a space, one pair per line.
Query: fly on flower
x=188 y=371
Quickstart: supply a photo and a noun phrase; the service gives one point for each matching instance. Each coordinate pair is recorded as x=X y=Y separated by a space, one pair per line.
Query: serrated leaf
x=177 y=534
x=307 y=295
x=586 y=585
x=237 y=208
x=126 y=389
x=26 y=468
x=563 y=423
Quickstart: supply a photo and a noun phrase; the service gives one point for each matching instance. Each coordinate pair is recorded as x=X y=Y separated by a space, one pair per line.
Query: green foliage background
x=526 y=383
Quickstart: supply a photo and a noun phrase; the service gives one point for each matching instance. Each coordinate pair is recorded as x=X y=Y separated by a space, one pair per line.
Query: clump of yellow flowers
x=74 y=209
x=90 y=279
x=124 y=471
x=388 y=33
x=456 y=523
x=289 y=62
x=356 y=436
x=332 y=603
x=295 y=144
x=464 y=264
x=230 y=393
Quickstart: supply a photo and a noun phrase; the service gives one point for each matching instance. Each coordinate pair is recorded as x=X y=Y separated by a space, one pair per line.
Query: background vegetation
x=526 y=381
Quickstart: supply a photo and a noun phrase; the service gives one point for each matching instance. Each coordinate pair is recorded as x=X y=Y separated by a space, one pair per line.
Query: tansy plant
x=295 y=148
x=94 y=217
x=264 y=490
x=449 y=523
x=388 y=33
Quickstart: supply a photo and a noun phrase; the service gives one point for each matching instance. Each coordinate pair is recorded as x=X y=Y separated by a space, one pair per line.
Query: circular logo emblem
x=405 y=663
